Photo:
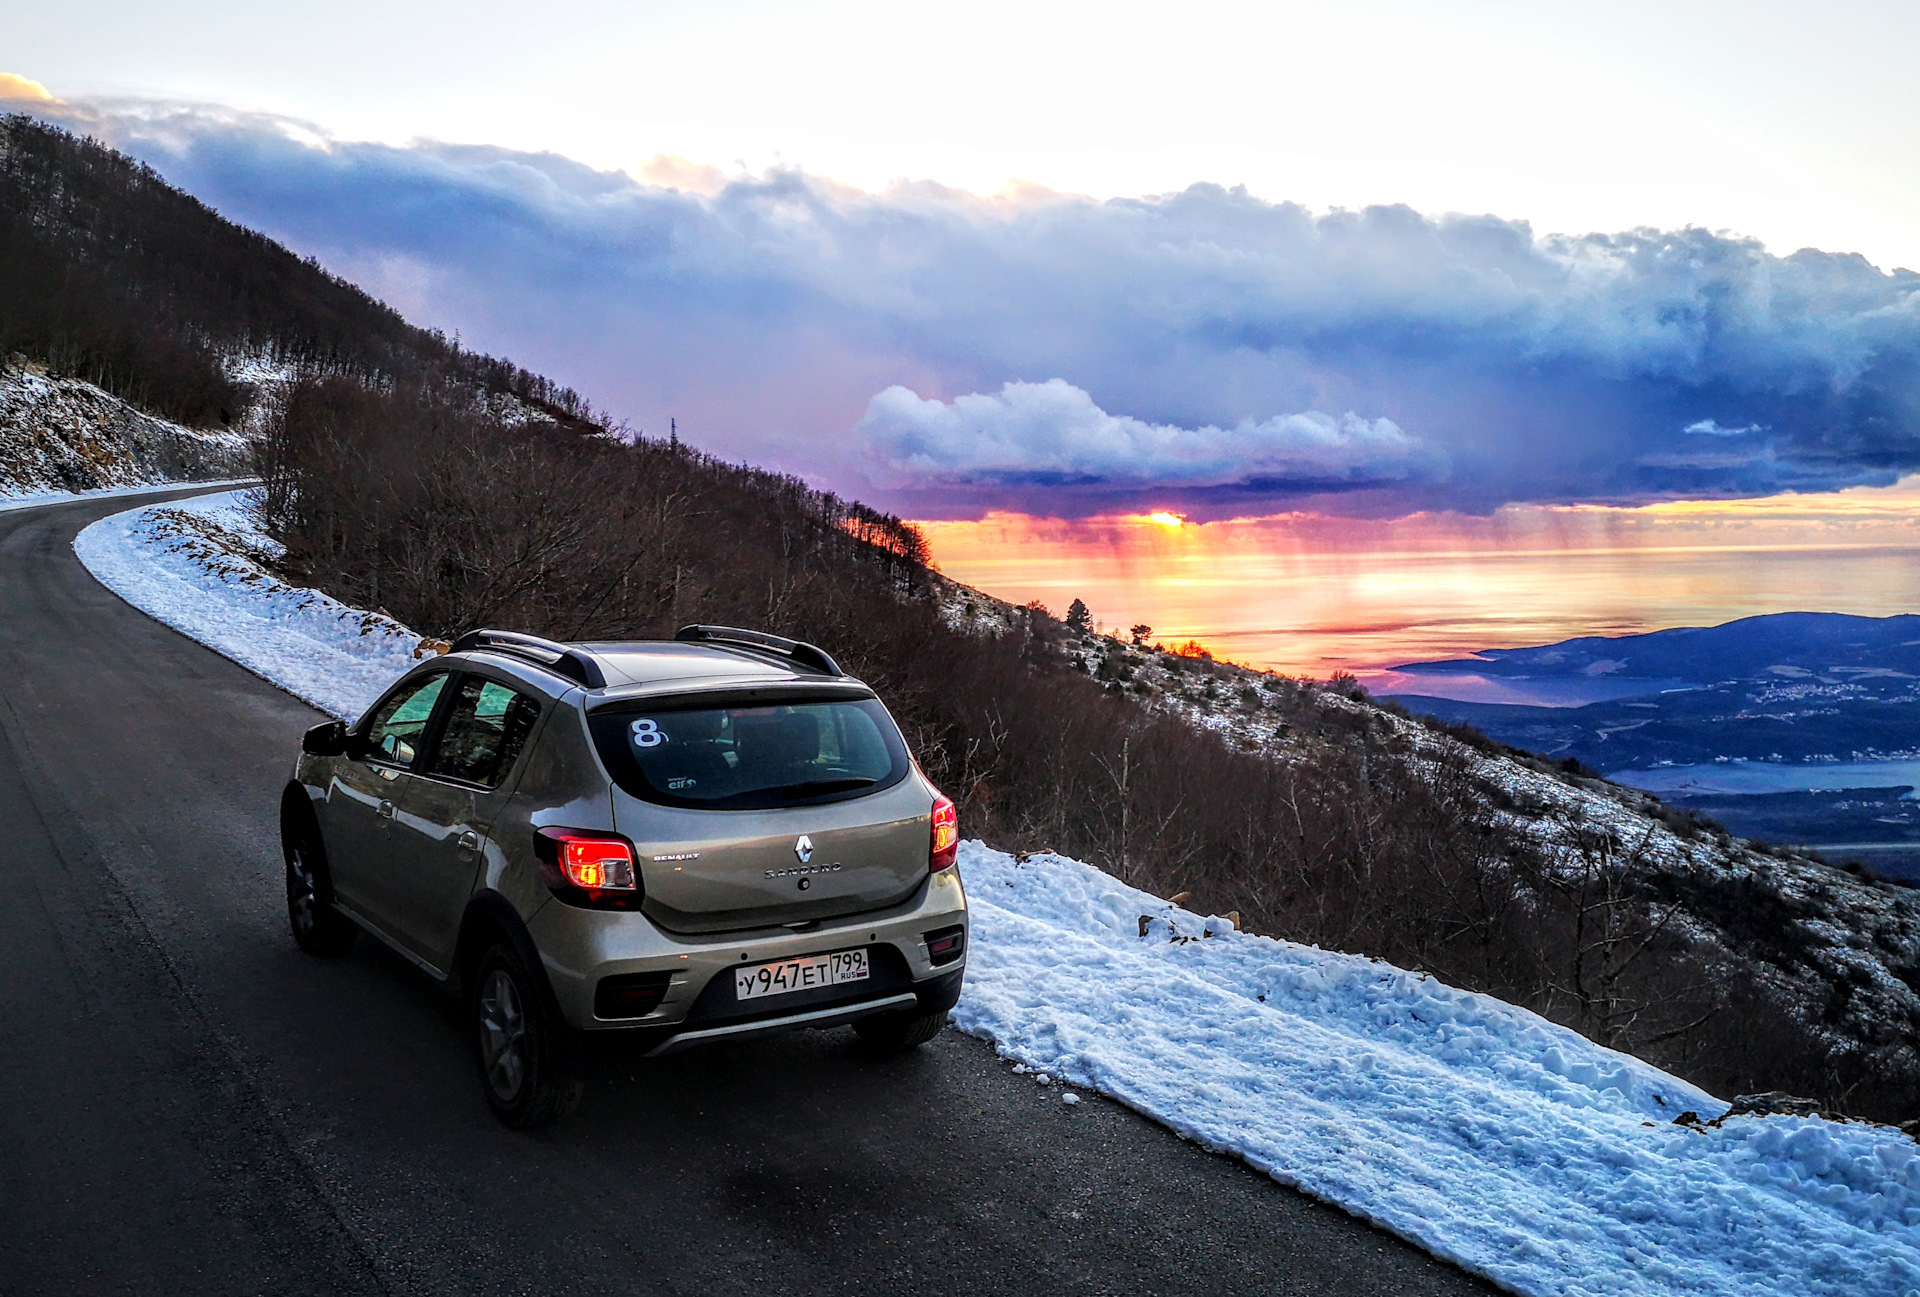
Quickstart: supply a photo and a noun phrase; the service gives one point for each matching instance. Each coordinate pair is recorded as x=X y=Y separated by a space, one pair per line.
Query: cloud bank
x=1052 y=434
x=942 y=353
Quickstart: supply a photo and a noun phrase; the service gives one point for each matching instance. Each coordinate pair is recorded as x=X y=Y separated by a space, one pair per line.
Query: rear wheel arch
x=491 y=919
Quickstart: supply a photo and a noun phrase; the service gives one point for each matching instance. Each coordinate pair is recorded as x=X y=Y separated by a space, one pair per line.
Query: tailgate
x=714 y=871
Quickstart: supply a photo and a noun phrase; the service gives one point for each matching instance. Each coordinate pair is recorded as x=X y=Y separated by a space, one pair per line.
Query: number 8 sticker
x=646 y=734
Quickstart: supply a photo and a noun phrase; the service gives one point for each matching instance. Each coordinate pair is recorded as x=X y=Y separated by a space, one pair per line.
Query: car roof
x=637 y=669
x=647 y=662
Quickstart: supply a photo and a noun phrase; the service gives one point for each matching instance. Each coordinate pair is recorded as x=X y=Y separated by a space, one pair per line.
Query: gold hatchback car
x=650 y=844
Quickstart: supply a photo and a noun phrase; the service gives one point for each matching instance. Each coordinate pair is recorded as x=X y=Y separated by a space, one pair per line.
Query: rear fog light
x=629 y=995
x=946 y=945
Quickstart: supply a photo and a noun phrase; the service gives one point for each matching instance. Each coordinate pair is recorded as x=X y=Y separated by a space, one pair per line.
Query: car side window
x=486 y=728
x=394 y=737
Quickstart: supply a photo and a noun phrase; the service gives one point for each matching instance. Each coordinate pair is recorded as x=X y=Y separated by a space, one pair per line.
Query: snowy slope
x=64 y=435
x=1514 y=1147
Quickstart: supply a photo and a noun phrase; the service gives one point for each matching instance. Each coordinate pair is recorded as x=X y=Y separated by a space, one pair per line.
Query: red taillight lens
x=946 y=834
x=594 y=867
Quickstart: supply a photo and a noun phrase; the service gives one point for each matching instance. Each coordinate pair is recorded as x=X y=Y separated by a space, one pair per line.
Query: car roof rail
x=567 y=660
x=800 y=652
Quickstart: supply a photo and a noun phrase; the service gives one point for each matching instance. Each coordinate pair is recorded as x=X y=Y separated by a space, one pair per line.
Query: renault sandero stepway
x=651 y=844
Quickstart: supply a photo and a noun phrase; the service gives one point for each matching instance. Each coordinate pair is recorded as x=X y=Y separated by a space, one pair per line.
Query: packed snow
x=1486 y=1134
x=201 y=566
x=1480 y=1131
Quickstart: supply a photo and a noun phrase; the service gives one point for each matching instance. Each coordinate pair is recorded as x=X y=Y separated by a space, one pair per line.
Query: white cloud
x=1708 y=428
x=1052 y=433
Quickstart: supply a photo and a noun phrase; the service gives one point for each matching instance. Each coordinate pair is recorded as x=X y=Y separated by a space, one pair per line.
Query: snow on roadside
x=1491 y=1137
x=36 y=499
x=199 y=566
x=1478 y=1130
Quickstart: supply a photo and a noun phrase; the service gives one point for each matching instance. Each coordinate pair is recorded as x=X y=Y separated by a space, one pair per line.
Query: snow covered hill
x=1481 y=1131
x=60 y=435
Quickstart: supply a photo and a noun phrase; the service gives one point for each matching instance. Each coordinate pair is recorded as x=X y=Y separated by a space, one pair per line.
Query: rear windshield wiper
x=820 y=787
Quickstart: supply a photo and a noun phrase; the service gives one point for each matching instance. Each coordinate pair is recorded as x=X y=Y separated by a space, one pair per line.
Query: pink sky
x=1307 y=594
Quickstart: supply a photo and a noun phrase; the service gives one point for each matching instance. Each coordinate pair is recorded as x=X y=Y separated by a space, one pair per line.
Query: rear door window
x=747 y=758
x=487 y=726
x=398 y=729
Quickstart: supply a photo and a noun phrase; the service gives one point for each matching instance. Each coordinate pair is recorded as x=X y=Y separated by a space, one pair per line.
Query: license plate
x=807 y=973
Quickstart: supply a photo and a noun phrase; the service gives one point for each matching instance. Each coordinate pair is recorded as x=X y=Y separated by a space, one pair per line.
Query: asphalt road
x=189 y=1105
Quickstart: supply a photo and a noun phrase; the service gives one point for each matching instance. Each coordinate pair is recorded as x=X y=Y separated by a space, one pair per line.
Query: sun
x=1166 y=519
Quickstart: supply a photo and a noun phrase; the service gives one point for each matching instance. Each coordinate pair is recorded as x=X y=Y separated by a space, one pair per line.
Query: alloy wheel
x=503 y=1036
x=301 y=891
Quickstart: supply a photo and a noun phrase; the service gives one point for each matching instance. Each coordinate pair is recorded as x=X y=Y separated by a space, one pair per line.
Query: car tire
x=896 y=1033
x=318 y=928
x=515 y=1043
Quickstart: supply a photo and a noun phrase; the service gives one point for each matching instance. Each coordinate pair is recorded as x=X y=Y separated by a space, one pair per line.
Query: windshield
x=752 y=758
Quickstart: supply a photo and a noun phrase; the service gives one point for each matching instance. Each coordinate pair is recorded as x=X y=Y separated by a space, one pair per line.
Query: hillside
x=110 y=275
x=63 y=434
x=447 y=491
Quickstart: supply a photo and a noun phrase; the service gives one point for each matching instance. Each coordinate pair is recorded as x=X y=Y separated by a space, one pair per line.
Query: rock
x=1773 y=1103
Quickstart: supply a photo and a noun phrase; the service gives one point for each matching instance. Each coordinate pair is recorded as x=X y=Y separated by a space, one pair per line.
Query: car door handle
x=386 y=810
x=469 y=842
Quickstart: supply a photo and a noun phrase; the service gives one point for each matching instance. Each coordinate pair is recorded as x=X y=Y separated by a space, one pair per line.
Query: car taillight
x=946 y=835
x=588 y=868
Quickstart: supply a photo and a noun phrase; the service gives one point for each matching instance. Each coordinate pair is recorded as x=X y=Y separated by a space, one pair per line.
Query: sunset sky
x=1494 y=284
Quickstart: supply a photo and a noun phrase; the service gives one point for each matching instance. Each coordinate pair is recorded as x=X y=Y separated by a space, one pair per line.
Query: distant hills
x=1788 y=645
x=1793 y=687
x=1818 y=700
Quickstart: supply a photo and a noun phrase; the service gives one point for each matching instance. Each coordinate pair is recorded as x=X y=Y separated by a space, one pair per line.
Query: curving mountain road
x=187 y=1104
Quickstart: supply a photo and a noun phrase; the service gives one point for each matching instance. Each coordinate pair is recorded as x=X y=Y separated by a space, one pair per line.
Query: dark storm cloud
x=944 y=353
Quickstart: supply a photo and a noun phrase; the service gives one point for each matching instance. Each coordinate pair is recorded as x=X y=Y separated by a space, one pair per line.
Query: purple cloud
x=937 y=352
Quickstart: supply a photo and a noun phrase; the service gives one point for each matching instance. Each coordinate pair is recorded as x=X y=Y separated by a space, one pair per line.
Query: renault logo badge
x=804 y=848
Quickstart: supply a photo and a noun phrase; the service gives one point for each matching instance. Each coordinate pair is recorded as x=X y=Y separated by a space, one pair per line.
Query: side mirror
x=327 y=740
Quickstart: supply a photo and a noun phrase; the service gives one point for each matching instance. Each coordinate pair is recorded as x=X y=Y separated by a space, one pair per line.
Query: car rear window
x=755 y=756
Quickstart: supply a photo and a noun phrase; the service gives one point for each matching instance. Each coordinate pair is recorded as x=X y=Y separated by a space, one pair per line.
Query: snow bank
x=1480 y=1131
x=199 y=566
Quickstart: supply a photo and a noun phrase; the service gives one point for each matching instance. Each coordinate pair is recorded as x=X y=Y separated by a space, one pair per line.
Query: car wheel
x=514 y=1036
x=317 y=927
x=896 y=1033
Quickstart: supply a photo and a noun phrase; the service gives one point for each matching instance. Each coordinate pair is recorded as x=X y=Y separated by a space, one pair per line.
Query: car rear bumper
x=581 y=947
